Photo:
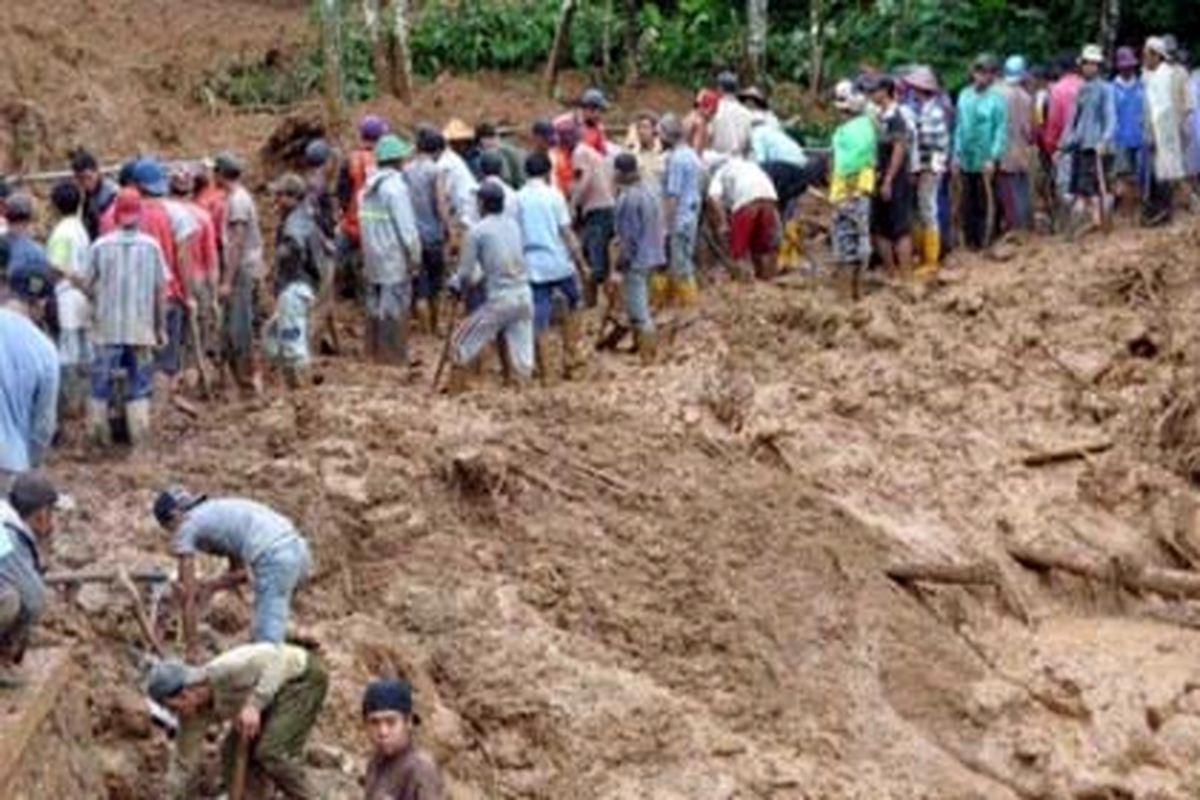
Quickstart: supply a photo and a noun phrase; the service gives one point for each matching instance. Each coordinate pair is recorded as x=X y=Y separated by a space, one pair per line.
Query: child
x=298 y=254
x=642 y=242
x=397 y=767
x=853 y=183
x=66 y=251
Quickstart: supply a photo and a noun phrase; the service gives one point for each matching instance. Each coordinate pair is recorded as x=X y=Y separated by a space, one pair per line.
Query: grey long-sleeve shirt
x=391 y=242
x=1094 y=124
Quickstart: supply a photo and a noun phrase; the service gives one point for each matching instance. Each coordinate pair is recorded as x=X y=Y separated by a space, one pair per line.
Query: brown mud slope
x=670 y=583
x=127 y=76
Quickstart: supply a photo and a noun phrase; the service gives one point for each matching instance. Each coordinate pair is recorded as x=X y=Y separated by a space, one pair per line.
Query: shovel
x=1105 y=211
x=237 y=785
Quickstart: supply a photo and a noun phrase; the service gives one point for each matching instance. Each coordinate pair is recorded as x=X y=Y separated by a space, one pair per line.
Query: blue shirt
x=232 y=527
x=28 y=392
x=25 y=255
x=1130 y=98
x=21 y=566
x=771 y=143
x=639 y=226
x=681 y=182
x=542 y=214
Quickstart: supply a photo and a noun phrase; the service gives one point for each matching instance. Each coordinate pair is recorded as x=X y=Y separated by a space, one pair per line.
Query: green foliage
x=269 y=81
x=698 y=39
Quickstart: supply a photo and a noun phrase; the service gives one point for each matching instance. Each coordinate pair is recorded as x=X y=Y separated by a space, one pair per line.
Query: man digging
x=272 y=693
x=262 y=546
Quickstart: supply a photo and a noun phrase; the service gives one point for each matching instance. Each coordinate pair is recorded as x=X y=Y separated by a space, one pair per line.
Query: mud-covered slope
x=671 y=584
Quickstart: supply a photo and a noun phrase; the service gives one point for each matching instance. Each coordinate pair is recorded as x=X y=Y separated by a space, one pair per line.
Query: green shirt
x=980 y=133
x=854 y=144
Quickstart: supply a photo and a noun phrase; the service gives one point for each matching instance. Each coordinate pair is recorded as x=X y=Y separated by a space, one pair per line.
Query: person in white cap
x=853 y=178
x=1091 y=137
x=1165 y=123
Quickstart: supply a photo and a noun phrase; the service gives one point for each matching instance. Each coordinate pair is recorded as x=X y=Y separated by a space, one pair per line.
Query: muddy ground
x=671 y=583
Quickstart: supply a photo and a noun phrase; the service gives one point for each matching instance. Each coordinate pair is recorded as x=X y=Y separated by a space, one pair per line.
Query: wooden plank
x=49 y=671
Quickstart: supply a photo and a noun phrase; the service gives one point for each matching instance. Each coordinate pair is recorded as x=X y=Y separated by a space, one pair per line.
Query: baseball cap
x=33 y=491
x=985 y=62
x=389 y=695
x=727 y=81
x=128 y=207
x=227 y=165
x=169 y=678
x=172 y=501
x=148 y=175
x=372 y=127
x=593 y=98
x=317 y=152
x=1092 y=53
x=544 y=129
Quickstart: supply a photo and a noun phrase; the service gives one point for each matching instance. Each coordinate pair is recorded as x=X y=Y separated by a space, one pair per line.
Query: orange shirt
x=362 y=161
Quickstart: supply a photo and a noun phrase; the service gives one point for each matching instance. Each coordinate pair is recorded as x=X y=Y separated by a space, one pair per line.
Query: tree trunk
x=562 y=35
x=756 y=37
x=331 y=55
x=816 y=32
x=378 y=42
x=402 y=69
x=606 y=40
x=632 y=37
x=1110 y=24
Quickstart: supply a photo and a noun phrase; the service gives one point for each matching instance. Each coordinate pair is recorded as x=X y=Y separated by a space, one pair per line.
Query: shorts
x=791 y=180
x=893 y=219
x=170 y=358
x=1085 y=173
x=852 y=231
x=681 y=263
x=543 y=300
x=754 y=230
x=389 y=300
x=137 y=363
x=598 y=228
x=431 y=278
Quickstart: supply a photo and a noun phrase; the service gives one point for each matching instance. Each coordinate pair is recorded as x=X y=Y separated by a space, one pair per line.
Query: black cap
x=544 y=129
x=485 y=130
x=173 y=501
x=31 y=492
x=727 y=82
x=389 y=695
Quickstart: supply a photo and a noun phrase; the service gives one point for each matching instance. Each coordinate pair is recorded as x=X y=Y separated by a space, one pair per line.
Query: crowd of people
x=161 y=281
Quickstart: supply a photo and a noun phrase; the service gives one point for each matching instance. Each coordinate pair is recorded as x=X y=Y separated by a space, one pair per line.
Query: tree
x=377 y=42
x=816 y=32
x=562 y=33
x=401 y=61
x=331 y=56
x=1110 y=24
x=756 y=37
x=632 y=37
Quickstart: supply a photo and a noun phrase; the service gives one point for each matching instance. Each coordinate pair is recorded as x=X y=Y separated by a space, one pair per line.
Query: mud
x=669 y=583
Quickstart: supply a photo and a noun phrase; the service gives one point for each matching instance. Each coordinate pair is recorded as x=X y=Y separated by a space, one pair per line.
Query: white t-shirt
x=740 y=182
x=66 y=250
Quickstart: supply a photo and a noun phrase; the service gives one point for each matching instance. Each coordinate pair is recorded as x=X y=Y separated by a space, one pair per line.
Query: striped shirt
x=126 y=274
x=933 y=137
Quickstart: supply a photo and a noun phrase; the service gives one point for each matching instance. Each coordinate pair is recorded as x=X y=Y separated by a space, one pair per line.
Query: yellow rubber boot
x=659 y=290
x=931 y=251
x=684 y=292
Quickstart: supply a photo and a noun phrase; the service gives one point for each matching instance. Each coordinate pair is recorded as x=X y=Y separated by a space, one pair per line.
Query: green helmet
x=391 y=148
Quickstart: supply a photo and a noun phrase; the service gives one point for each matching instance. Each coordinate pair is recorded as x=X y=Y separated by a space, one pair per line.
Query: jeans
x=637 y=299
x=277 y=573
x=136 y=362
x=597 y=234
x=543 y=300
x=975 y=219
x=682 y=265
x=929 y=189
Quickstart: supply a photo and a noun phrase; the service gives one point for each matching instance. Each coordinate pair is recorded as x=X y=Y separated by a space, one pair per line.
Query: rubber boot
x=930 y=250
x=660 y=290
x=684 y=292
x=541 y=358
x=97 y=418
x=572 y=335
x=137 y=416
x=647 y=346
x=459 y=380
x=423 y=317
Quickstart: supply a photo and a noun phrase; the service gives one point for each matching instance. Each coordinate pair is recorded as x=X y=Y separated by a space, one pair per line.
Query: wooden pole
x=331 y=53
x=974 y=574
x=756 y=38
x=562 y=33
x=1134 y=577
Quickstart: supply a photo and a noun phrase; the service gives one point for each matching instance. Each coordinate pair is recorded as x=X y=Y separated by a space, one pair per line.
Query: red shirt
x=1062 y=108
x=157 y=225
x=362 y=161
x=212 y=200
x=203 y=259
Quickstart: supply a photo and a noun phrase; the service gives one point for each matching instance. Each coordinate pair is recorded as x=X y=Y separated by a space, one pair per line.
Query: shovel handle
x=241 y=763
